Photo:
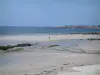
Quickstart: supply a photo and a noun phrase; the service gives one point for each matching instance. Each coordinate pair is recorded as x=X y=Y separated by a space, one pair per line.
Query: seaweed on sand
x=23 y=45
x=53 y=45
x=5 y=48
x=93 y=39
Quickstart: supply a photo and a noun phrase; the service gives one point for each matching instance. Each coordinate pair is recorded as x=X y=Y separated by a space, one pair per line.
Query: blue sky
x=49 y=12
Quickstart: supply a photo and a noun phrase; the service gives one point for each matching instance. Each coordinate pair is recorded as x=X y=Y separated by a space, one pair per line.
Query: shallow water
x=11 y=30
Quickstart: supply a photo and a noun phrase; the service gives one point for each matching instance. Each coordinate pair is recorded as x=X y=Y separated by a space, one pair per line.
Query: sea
x=12 y=30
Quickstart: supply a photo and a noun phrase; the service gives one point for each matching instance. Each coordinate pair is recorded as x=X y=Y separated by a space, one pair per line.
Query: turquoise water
x=5 y=30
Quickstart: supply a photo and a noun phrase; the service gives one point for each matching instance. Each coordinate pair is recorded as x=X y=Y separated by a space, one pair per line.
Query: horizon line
x=46 y=26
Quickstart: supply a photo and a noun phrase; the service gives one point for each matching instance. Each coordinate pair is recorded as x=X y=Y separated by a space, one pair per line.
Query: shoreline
x=46 y=37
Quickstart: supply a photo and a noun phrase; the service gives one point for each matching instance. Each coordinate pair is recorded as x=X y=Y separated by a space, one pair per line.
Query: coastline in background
x=11 y=30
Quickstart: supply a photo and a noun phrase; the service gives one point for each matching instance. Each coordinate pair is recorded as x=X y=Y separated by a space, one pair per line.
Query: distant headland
x=78 y=26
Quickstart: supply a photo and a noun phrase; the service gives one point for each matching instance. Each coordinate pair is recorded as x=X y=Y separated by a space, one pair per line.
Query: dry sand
x=39 y=61
x=84 y=70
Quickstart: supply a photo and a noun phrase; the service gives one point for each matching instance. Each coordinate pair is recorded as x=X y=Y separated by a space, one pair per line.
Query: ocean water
x=11 y=30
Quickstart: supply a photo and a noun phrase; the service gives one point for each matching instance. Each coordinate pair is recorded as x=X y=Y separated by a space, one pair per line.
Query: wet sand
x=46 y=37
x=69 y=54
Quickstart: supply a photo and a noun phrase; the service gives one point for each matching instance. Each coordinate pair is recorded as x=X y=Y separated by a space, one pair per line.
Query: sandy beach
x=69 y=58
x=45 y=37
x=49 y=37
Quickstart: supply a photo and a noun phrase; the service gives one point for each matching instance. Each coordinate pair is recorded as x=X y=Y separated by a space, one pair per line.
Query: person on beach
x=49 y=38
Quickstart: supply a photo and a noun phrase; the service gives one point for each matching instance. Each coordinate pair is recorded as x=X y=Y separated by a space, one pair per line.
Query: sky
x=49 y=12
